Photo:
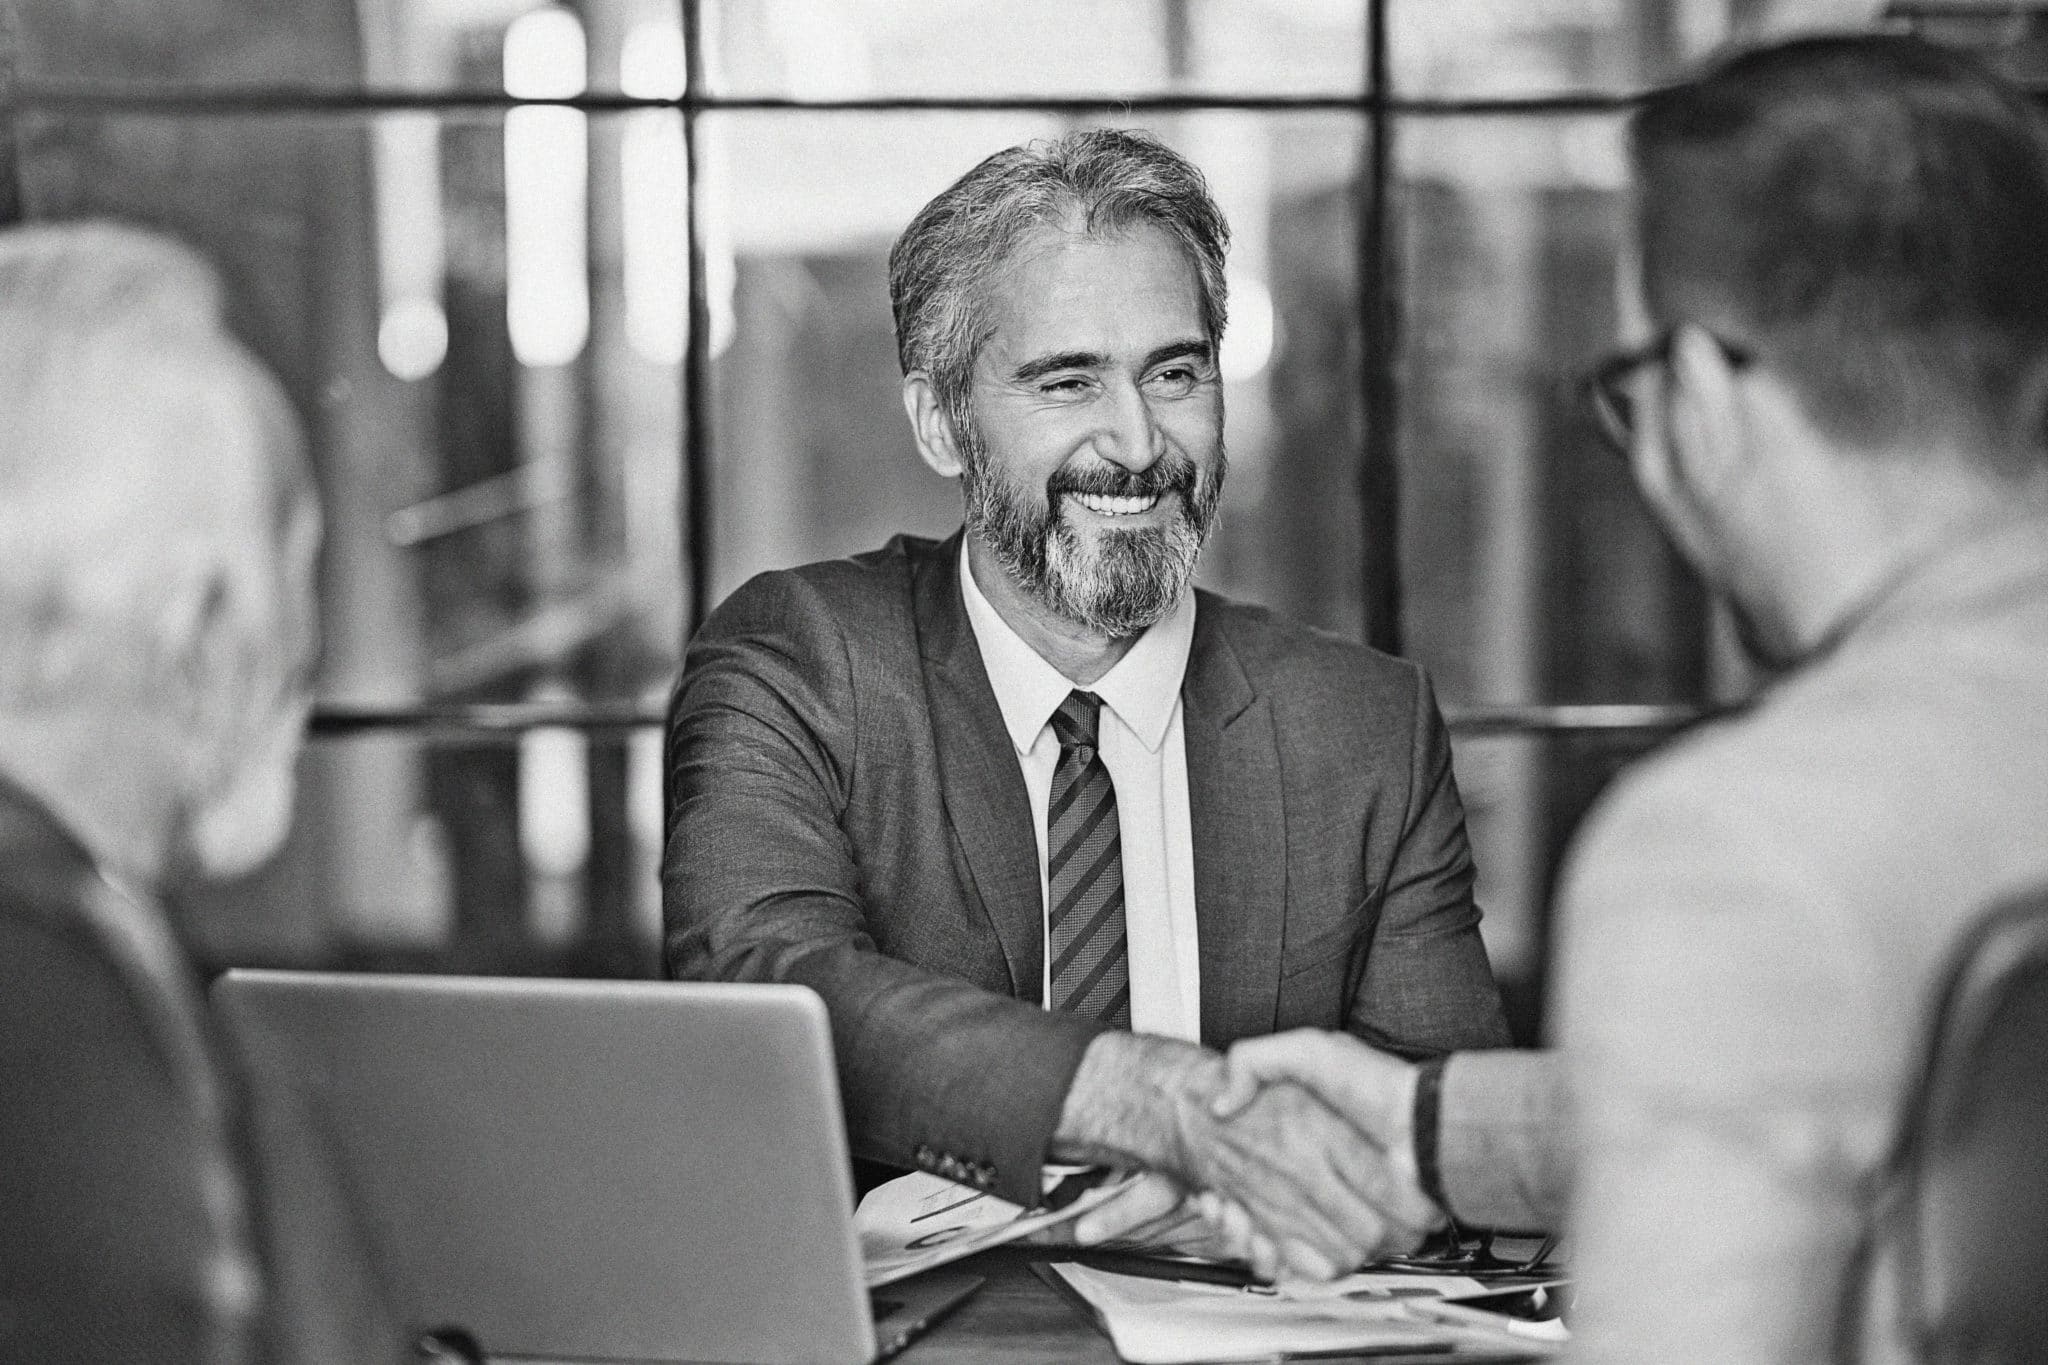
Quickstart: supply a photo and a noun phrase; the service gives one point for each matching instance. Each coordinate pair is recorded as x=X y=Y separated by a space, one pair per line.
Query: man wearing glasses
x=1840 y=421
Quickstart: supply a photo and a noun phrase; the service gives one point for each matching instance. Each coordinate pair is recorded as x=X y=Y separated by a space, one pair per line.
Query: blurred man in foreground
x=1840 y=415
x=157 y=542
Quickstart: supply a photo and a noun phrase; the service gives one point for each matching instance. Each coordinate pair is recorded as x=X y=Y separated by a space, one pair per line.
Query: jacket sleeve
x=1427 y=987
x=761 y=883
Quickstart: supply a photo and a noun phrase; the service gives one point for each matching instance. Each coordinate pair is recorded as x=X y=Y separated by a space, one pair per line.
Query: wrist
x=1132 y=1100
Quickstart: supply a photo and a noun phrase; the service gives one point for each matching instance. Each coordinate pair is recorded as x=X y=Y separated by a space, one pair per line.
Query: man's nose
x=1129 y=436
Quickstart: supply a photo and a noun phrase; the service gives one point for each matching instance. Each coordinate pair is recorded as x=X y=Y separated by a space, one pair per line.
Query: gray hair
x=119 y=380
x=75 y=296
x=1095 y=181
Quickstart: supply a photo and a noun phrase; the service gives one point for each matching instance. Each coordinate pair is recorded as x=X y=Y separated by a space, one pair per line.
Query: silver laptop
x=586 y=1170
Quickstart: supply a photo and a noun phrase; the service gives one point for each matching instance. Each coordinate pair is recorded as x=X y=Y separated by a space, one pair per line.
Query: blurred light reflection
x=1248 y=341
x=547 y=156
x=412 y=330
x=653 y=201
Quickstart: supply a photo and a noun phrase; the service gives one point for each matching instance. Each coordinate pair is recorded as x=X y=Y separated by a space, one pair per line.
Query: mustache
x=1174 y=474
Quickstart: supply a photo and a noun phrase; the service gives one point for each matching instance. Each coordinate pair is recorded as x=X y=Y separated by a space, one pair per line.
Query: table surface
x=1017 y=1317
x=1014 y=1317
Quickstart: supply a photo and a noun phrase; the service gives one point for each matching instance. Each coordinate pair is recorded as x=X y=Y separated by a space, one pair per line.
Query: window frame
x=1380 y=319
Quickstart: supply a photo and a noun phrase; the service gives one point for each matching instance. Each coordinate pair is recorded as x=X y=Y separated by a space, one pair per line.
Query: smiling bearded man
x=1042 y=824
x=1118 y=587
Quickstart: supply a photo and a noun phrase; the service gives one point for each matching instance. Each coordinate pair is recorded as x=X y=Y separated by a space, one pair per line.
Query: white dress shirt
x=1143 y=745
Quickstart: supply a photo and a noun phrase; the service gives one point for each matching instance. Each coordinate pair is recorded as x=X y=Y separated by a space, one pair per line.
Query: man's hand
x=1301 y=1175
x=1372 y=1091
x=1151 y=1211
x=1155 y=1211
x=1370 y=1206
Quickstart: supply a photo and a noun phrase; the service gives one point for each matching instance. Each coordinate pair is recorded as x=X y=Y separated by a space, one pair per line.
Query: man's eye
x=1069 y=385
x=1178 y=379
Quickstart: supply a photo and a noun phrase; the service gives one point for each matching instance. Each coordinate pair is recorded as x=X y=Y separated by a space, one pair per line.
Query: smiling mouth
x=1107 y=506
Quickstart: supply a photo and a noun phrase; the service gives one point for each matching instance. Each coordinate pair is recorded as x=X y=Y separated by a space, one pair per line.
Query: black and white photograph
x=802 y=682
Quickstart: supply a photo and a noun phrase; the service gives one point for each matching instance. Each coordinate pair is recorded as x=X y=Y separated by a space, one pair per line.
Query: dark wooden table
x=1016 y=1317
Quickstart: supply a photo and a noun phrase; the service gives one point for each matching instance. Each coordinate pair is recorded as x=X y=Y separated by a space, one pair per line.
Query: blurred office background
x=584 y=306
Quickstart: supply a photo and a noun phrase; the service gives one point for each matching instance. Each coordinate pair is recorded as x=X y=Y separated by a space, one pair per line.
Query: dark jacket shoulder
x=44 y=872
x=1285 y=659
x=856 y=596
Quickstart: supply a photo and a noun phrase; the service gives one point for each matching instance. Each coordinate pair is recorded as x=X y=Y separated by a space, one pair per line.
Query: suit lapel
x=1240 y=835
x=986 y=802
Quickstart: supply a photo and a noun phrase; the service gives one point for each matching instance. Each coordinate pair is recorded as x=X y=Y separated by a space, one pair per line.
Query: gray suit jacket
x=845 y=811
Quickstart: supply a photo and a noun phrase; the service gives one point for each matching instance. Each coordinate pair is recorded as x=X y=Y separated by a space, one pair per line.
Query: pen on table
x=948 y=1208
x=1376 y=1355
x=1156 y=1268
x=1457 y=1315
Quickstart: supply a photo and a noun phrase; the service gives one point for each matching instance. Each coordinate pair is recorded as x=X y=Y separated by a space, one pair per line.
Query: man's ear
x=235 y=828
x=248 y=702
x=1705 y=412
x=193 y=642
x=931 y=425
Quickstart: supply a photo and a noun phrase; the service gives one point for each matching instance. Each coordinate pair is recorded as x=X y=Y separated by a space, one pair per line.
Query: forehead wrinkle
x=994 y=286
x=1002 y=305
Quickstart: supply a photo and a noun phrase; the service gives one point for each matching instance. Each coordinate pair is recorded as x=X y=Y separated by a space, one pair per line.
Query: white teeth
x=1116 y=507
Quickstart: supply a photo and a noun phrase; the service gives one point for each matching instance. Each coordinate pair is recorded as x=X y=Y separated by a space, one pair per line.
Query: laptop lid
x=586 y=1170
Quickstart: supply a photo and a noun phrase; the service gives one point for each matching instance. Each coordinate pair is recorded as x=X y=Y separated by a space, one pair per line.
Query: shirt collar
x=1142 y=689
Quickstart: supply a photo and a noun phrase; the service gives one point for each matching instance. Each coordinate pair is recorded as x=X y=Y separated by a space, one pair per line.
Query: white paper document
x=920 y=1222
x=1177 y=1322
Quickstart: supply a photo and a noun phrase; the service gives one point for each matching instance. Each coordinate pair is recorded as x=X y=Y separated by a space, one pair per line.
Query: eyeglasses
x=1458 y=1250
x=1609 y=389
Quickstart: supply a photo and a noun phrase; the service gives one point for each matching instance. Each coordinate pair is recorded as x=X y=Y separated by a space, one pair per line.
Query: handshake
x=1294 y=1153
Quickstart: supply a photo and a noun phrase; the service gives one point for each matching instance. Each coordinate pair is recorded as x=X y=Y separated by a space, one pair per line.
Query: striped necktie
x=1084 y=870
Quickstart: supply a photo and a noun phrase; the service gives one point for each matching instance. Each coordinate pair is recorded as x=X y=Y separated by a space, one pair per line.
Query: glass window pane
x=2012 y=38
x=867 y=49
x=1531 y=571
x=531 y=48
x=1524 y=795
x=481 y=319
x=813 y=455
x=538 y=855
x=1534 y=48
x=1498 y=780
x=1481 y=49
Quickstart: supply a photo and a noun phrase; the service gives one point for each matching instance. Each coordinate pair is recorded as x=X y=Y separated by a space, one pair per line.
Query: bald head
x=156 y=522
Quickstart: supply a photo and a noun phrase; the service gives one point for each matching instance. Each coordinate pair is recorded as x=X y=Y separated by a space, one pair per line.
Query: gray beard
x=1119 y=584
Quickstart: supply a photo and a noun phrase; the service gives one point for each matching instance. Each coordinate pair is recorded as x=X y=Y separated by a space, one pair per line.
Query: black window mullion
x=1379 y=474
x=1377 y=248
x=696 y=489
